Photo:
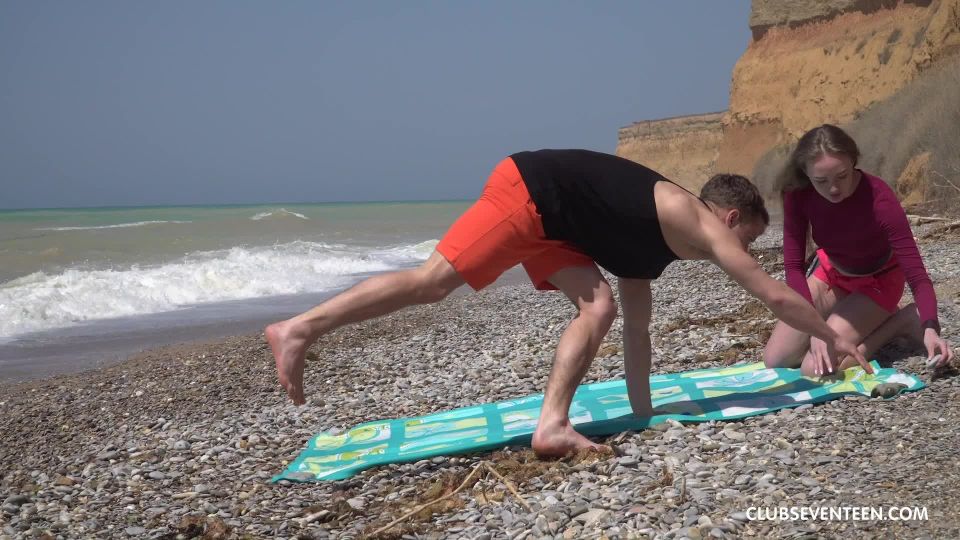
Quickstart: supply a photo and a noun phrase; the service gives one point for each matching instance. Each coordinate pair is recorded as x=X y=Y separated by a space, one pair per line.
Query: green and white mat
x=598 y=409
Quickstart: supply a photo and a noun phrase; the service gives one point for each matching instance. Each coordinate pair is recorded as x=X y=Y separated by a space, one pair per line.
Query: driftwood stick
x=311 y=518
x=920 y=220
x=947 y=180
x=509 y=486
x=941 y=229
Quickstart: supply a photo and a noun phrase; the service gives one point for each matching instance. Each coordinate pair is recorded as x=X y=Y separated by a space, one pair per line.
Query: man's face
x=748 y=231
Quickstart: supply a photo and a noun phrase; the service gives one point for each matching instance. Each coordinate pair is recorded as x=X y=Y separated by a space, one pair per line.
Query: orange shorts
x=503 y=229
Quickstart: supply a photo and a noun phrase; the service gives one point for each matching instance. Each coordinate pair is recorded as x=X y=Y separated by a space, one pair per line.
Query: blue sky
x=174 y=102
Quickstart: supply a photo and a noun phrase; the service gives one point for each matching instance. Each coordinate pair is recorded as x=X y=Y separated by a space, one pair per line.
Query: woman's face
x=833 y=176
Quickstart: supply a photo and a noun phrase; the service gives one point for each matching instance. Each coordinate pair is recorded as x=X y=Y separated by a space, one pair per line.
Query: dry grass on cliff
x=923 y=117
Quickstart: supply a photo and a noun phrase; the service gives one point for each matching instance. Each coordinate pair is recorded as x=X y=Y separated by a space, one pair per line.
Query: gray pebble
x=16 y=500
x=809 y=482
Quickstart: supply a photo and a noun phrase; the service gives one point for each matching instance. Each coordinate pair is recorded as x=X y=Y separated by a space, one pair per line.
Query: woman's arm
x=893 y=221
x=795 y=225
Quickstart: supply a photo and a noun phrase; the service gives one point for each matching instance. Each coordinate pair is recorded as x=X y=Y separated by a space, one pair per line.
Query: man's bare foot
x=289 y=342
x=561 y=440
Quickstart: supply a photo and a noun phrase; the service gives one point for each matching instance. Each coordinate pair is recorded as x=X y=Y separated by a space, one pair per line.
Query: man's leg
x=590 y=292
x=374 y=297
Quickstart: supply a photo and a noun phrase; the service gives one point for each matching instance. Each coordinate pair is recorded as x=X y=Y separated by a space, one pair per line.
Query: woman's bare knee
x=806 y=367
x=773 y=358
x=908 y=322
x=785 y=347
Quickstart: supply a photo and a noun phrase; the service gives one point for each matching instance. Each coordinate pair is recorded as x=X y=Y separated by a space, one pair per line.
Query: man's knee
x=434 y=281
x=432 y=293
x=602 y=309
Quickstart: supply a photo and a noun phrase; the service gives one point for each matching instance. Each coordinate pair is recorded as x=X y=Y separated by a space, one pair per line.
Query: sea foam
x=42 y=301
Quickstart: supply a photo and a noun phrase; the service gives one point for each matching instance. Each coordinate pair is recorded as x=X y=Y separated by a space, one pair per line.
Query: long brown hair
x=826 y=139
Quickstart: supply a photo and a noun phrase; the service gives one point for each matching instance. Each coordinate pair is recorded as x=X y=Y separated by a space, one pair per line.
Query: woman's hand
x=821 y=353
x=937 y=345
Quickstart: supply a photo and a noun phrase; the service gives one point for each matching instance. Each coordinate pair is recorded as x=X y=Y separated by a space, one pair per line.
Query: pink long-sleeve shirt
x=857 y=234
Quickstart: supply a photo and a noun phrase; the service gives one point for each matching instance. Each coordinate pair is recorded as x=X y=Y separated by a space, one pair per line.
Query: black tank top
x=601 y=204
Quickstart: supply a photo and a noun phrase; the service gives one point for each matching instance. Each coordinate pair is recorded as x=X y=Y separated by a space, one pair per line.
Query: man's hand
x=827 y=357
x=644 y=410
x=845 y=347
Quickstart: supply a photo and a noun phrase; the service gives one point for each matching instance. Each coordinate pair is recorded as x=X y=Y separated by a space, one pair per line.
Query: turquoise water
x=60 y=268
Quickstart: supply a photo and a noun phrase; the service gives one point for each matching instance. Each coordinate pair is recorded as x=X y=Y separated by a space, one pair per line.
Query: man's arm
x=637 y=302
x=783 y=301
x=786 y=304
x=694 y=232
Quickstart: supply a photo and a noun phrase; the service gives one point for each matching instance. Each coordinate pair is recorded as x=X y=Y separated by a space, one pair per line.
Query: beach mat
x=598 y=409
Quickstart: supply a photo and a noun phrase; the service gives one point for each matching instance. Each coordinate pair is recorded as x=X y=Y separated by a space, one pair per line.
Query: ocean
x=106 y=282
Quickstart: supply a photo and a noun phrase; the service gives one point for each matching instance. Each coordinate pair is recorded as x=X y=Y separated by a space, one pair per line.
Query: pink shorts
x=885 y=287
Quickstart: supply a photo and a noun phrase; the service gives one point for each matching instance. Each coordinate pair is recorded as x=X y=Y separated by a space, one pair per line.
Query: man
x=561 y=213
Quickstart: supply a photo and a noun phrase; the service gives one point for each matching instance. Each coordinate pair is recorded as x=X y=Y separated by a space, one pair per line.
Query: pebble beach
x=182 y=441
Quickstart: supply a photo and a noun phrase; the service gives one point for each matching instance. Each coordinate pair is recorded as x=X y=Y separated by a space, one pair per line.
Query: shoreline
x=89 y=348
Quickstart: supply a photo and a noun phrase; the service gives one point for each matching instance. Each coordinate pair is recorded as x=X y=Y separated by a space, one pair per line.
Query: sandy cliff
x=889 y=71
x=684 y=148
x=830 y=61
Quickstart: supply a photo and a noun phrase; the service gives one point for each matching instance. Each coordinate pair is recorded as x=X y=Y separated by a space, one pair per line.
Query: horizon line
x=288 y=203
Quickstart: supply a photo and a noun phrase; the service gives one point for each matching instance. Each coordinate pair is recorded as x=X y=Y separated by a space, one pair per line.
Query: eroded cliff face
x=888 y=71
x=683 y=149
x=827 y=61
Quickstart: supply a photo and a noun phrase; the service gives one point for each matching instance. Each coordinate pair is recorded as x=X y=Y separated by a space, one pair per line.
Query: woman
x=867 y=253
